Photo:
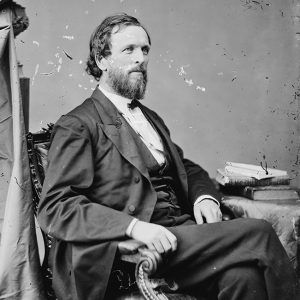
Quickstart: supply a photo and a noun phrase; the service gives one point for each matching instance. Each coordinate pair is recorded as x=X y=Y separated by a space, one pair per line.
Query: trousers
x=240 y=259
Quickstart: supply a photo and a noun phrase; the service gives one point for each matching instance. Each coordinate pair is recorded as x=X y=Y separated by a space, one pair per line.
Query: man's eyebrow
x=146 y=45
x=128 y=46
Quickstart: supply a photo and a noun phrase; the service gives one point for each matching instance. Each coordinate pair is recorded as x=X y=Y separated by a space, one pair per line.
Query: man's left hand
x=209 y=210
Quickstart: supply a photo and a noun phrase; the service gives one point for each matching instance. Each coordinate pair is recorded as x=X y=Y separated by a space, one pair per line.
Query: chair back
x=38 y=145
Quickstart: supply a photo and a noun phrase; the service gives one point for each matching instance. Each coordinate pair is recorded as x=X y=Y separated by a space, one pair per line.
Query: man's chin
x=137 y=80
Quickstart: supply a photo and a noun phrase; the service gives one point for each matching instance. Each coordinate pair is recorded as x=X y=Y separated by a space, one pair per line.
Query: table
x=284 y=215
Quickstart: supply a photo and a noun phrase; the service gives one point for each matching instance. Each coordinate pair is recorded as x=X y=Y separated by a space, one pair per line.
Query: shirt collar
x=119 y=101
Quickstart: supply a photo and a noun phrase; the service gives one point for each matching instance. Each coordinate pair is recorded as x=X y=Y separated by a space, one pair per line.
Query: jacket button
x=137 y=179
x=118 y=123
x=131 y=209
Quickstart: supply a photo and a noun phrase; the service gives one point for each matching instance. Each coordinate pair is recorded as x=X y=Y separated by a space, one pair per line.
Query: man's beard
x=123 y=85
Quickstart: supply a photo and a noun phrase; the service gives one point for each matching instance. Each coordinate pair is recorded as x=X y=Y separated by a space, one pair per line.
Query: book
x=233 y=180
x=280 y=192
x=254 y=171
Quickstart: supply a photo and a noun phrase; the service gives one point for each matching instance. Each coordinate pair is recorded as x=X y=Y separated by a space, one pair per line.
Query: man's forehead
x=129 y=33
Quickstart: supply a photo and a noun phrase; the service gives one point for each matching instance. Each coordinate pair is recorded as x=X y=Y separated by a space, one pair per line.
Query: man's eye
x=128 y=49
x=145 y=50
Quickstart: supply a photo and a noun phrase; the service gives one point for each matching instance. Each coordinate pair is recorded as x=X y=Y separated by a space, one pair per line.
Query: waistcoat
x=167 y=212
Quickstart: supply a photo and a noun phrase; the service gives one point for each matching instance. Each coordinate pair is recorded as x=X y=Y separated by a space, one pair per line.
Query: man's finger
x=151 y=246
x=166 y=244
x=213 y=215
x=172 y=239
x=198 y=216
x=220 y=215
x=157 y=246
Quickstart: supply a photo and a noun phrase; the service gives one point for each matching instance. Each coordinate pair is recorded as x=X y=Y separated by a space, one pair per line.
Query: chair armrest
x=147 y=263
x=136 y=252
x=130 y=246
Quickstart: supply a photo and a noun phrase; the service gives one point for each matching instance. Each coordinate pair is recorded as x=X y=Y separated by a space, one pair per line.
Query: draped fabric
x=284 y=215
x=19 y=260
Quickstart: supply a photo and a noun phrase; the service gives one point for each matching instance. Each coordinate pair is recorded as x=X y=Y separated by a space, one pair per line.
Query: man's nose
x=139 y=56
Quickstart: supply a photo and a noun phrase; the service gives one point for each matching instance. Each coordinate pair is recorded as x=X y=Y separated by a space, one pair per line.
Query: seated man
x=114 y=174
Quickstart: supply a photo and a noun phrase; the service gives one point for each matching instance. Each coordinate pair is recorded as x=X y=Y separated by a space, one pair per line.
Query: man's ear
x=101 y=63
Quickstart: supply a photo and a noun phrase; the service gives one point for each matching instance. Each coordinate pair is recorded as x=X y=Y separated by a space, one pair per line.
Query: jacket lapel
x=117 y=130
x=171 y=147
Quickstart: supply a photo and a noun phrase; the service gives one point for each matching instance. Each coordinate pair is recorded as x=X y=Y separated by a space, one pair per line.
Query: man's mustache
x=139 y=69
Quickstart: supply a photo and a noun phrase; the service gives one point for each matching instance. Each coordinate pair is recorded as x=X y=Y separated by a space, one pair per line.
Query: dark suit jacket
x=95 y=184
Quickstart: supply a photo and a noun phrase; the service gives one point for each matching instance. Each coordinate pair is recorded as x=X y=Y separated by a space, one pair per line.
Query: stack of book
x=255 y=182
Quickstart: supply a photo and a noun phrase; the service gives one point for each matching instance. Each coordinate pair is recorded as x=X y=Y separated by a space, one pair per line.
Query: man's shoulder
x=82 y=118
x=85 y=110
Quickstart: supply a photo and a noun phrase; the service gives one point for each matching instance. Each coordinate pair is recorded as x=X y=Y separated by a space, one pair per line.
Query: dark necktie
x=133 y=104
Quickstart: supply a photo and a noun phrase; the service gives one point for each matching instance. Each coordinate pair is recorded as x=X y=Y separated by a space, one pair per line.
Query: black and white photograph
x=150 y=150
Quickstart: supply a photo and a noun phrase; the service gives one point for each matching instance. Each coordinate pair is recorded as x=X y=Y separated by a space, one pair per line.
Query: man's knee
x=258 y=226
x=245 y=282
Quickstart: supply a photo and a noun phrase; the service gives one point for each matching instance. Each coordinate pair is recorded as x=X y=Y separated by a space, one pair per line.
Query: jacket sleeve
x=65 y=212
x=199 y=182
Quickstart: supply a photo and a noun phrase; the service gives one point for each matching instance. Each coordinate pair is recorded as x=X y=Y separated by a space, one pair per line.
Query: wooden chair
x=134 y=277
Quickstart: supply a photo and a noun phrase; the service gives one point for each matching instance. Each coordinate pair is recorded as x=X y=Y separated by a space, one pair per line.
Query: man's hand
x=155 y=237
x=209 y=210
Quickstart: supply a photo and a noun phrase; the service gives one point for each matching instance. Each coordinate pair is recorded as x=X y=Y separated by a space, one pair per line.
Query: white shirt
x=139 y=124
x=147 y=133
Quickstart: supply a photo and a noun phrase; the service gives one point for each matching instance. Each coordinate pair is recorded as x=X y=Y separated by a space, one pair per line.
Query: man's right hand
x=155 y=237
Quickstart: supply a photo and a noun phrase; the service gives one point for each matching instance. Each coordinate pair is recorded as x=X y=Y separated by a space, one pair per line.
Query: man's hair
x=100 y=41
